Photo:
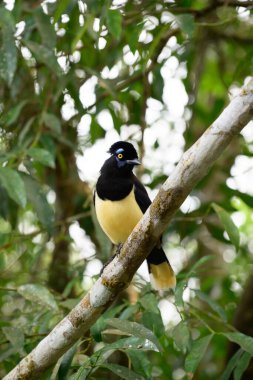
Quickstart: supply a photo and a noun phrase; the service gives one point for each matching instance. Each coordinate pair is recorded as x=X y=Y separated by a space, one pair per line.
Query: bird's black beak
x=135 y=161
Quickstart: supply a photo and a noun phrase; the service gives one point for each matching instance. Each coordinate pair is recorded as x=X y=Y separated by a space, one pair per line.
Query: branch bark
x=193 y=166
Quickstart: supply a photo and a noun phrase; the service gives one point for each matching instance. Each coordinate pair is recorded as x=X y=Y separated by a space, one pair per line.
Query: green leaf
x=89 y=20
x=81 y=374
x=135 y=329
x=38 y=294
x=133 y=35
x=4 y=239
x=39 y=201
x=12 y=182
x=66 y=363
x=6 y=18
x=114 y=23
x=96 y=329
x=45 y=55
x=96 y=132
x=8 y=50
x=200 y=262
x=122 y=372
x=181 y=336
x=15 y=336
x=228 y=224
x=132 y=342
x=231 y=365
x=149 y=302
x=217 y=308
x=242 y=365
x=179 y=293
x=13 y=114
x=69 y=303
x=153 y=46
x=52 y=122
x=216 y=230
x=100 y=356
x=129 y=311
x=24 y=137
x=45 y=27
x=186 y=23
x=5 y=226
x=197 y=352
x=140 y=362
x=61 y=6
x=158 y=83
x=153 y=321
x=246 y=342
x=43 y=156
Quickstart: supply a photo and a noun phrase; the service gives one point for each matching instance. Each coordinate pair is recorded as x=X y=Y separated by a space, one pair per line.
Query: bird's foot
x=117 y=249
x=107 y=263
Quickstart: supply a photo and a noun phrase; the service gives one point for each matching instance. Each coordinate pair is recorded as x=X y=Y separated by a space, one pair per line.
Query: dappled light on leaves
x=76 y=76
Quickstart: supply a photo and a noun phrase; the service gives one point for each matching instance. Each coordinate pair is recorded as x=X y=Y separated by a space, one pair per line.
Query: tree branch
x=240 y=39
x=198 y=13
x=125 y=82
x=193 y=166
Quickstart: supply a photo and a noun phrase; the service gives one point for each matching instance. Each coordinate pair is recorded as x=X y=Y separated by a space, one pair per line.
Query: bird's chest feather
x=118 y=218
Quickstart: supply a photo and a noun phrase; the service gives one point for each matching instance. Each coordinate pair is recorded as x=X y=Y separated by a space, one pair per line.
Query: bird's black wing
x=141 y=195
x=161 y=273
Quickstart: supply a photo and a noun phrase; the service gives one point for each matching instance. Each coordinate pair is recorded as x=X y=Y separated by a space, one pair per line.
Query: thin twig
x=125 y=82
x=58 y=223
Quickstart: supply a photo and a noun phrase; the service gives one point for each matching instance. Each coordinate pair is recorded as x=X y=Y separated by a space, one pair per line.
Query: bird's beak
x=133 y=162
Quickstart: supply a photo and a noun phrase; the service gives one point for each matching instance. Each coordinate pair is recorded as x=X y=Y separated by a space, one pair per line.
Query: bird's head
x=124 y=155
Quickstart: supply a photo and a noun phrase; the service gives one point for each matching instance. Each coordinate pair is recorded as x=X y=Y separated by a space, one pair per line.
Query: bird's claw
x=118 y=249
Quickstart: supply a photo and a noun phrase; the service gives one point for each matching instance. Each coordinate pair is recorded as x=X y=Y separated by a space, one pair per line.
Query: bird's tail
x=161 y=273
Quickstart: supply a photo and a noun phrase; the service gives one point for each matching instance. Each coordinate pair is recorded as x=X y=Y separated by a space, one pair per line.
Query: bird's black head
x=116 y=175
x=124 y=155
x=122 y=161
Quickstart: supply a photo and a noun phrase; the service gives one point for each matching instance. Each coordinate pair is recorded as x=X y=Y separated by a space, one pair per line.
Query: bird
x=120 y=201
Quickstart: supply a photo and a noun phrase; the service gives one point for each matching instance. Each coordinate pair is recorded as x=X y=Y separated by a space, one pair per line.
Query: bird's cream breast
x=118 y=218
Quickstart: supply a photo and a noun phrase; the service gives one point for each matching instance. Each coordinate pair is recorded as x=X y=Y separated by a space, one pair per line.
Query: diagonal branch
x=193 y=166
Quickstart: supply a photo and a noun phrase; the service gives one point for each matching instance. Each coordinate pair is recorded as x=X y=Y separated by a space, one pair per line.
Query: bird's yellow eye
x=120 y=155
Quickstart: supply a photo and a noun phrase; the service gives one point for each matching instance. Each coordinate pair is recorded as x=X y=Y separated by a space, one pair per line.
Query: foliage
x=131 y=52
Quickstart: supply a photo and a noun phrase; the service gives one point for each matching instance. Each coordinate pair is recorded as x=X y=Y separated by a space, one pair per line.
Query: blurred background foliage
x=75 y=76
